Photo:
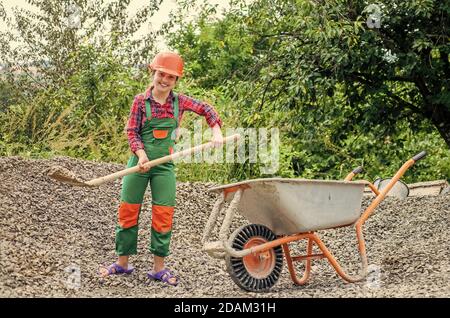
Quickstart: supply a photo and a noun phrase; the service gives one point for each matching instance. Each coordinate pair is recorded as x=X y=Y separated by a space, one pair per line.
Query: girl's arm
x=133 y=131
x=134 y=125
x=217 y=138
x=203 y=109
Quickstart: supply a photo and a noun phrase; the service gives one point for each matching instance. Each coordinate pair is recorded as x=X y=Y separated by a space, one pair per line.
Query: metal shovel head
x=65 y=175
x=399 y=190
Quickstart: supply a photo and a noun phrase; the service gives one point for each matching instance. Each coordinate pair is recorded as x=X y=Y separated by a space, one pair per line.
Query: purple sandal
x=164 y=276
x=116 y=269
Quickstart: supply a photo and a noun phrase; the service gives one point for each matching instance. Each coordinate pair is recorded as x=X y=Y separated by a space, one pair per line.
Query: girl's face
x=164 y=82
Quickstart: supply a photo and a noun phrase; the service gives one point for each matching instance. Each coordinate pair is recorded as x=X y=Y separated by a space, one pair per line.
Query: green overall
x=158 y=138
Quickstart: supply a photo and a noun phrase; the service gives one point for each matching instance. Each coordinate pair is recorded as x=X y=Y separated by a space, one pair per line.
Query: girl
x=151 y=127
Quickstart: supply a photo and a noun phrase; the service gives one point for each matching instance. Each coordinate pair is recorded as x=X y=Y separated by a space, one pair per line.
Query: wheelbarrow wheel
x=254 y=272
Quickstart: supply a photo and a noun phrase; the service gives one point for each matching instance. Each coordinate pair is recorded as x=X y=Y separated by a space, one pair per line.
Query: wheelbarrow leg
x=213 y=217
x=290 y=264
x=314 y=239
x=218 y=248
x=339 y=270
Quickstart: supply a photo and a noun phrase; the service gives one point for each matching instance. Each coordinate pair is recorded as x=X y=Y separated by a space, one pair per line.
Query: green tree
x=40 y=43
x=303 y=51
x=73 y=67
x=7 y=95
x=336 y=85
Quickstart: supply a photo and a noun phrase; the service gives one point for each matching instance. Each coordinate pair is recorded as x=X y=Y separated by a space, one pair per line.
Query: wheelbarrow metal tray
x=290 y=206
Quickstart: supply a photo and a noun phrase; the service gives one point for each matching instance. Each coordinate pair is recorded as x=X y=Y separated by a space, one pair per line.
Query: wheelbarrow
x=282 y=211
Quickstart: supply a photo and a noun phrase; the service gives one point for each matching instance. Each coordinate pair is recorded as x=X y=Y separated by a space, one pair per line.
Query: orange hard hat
x=168 y=62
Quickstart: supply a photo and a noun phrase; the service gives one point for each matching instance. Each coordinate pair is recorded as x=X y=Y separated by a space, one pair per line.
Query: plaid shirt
x=138 y=116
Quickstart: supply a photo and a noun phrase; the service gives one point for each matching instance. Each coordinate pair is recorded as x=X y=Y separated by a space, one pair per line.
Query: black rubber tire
x=236 y=267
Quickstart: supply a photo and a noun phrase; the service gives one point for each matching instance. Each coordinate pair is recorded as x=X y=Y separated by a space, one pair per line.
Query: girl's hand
x=142 y=160
x=217 y=138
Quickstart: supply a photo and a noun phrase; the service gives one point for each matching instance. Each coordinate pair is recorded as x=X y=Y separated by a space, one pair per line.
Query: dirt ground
x=54 y=237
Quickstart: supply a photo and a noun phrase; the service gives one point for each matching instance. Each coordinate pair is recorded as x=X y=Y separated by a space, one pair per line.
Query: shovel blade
x=64 y=175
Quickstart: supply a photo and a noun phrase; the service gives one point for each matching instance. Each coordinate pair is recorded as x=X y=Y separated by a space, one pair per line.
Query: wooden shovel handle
x=122 y=173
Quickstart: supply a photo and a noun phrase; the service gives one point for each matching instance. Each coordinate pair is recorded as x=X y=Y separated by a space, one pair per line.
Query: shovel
x=62 y=174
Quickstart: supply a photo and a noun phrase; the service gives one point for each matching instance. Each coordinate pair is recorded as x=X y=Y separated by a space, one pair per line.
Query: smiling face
x=163 y=82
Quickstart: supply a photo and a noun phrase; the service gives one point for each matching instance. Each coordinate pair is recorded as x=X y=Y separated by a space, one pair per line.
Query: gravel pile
x=50 y=230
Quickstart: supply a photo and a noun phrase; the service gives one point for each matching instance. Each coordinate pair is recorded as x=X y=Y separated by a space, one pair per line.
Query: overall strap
x=175 y=107
x=148 y=111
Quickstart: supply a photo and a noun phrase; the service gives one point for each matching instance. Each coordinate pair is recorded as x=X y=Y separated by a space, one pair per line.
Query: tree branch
x=265 y=91
x=404 y=103
x=389 y=78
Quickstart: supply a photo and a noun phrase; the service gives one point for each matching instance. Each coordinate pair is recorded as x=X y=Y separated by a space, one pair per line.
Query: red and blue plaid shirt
x=138 y=115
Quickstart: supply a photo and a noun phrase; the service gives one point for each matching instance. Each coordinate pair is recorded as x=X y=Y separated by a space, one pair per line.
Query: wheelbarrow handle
x=358 y=170
x=419 y=156
x=381 y=195
x=355 y=171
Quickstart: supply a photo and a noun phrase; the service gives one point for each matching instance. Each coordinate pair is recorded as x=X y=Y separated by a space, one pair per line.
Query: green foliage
x=84 y=118
x=215 y=51
x=341 y=93
x=73 y=70
x=7 y=95
x=38 y=42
